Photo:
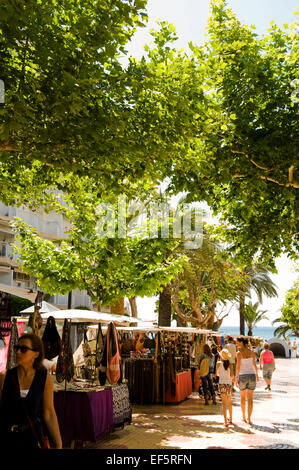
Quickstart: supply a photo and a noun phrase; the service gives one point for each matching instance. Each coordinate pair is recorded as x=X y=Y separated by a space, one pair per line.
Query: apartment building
x=50 y=226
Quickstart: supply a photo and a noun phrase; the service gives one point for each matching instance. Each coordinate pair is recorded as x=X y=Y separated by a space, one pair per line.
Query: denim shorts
x=247 y=382
x=268 y=371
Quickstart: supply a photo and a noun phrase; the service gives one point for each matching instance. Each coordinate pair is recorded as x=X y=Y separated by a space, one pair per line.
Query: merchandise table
x=183 y=387
x=84 y=416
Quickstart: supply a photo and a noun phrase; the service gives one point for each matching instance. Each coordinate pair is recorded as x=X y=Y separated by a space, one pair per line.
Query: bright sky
x=190 y=19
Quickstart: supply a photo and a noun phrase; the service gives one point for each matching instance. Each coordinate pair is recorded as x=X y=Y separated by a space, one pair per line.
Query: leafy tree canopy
x=245 y=165
x=107 y=268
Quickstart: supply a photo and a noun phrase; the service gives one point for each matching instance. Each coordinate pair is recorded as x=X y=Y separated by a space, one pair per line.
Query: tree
x=290 y=309
x=244 y=164
x=71 y=106
x=253 y=316
x=108 y=268
x=206 y=281
x=258 y=280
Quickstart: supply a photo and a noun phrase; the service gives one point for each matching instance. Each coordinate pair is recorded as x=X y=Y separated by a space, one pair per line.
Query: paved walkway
x=192 y=425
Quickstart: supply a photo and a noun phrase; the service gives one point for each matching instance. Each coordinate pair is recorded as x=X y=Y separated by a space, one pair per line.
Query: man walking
x=233 y=350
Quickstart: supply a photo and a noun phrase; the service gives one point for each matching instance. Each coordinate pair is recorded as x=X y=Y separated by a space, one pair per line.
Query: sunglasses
x=23 y=349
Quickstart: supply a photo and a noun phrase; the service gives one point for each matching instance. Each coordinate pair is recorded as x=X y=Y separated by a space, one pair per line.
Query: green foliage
x=208 y=279
x=18 y=304
x=290 y=309
x=107 y=268
x=244 y=159
x=253 y=316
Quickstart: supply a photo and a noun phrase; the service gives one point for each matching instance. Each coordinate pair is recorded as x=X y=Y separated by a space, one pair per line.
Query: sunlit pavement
x=192 y=425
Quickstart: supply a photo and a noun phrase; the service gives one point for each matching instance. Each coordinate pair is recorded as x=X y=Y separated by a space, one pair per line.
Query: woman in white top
x=224 y=370
x=246 y=377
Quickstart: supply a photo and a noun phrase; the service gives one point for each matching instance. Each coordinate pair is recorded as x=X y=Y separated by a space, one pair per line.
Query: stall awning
x=45 y=308
x=90 y=316
x=19 y=292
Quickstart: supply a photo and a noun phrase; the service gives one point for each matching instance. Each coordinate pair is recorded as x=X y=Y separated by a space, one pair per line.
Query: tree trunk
x=249 y=331
x=241 y=312
x=165 y=307
x=133 y=305
x=180 y=322
x=119 y=307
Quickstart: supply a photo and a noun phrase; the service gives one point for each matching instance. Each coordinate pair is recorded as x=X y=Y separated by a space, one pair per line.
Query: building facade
x=50 y=226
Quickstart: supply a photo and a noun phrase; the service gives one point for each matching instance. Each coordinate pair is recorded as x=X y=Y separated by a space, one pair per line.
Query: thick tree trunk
x=119 y=307
x=249 y=332
x=165 y=307
x=133 y=305
x=241 y=312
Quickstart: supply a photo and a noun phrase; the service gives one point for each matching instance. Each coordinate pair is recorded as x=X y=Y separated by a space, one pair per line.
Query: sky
x=190 y=19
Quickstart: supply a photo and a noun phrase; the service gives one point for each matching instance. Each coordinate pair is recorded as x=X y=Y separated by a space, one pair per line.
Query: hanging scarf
x=103 y=364
x=51 y=339
x=14 y=337
x=113 y=356
x=65 y=369
x=99 y=346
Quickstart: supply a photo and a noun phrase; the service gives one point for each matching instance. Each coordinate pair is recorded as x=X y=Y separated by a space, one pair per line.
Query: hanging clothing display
x=14 y=338
x=113 y=356
x=51 y=339
x=122 y=411
x=65 y=365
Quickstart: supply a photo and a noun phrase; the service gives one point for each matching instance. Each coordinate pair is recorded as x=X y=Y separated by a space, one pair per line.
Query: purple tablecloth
x=86 y=415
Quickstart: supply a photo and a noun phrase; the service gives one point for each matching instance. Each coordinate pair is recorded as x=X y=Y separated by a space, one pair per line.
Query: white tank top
x=246 y=366
x=224 y=375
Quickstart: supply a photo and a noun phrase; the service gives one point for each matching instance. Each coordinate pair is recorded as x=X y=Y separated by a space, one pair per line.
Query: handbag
x=51 y=339
x=203 y=367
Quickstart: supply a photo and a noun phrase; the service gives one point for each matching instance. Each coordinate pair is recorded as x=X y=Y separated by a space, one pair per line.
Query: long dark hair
x=207 y=351
x=226 y=364
x=37 y=345
x=244 y=341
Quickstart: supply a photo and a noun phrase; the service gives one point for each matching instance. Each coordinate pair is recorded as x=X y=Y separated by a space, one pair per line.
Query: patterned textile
x=11 y=356
x=65 y=364
x=122 y=412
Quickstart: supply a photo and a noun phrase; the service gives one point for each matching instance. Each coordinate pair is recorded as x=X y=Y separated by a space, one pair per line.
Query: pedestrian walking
x=246 y=377
x=224 y=370
x=26 y=400
x=267 y=364
x=206 y=365
x=233 y=352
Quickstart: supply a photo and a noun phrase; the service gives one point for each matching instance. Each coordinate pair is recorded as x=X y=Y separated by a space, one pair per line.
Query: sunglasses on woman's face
x=23 y=349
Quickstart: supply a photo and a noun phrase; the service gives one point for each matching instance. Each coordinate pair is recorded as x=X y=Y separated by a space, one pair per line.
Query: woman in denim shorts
x=267 y=362
x=247 y=376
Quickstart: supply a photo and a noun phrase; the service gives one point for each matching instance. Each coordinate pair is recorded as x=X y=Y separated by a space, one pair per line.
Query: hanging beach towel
x=113 y=356
x=65 y=369
x=51 y=339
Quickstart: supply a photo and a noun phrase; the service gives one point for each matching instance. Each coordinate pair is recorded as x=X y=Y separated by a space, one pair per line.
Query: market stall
x=157 y=361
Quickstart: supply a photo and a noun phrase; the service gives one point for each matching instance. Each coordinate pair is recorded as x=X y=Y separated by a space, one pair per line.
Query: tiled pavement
x=192 y=425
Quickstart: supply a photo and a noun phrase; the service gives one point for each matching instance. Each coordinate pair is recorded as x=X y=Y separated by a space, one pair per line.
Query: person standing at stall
x=206 y=365
x=26 y=399
x=246 y=377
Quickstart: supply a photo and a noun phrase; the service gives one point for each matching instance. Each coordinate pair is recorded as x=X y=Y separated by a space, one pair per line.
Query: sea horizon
x=266 y=332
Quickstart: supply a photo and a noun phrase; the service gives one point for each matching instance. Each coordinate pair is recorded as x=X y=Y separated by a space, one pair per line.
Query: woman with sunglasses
x=27 y=399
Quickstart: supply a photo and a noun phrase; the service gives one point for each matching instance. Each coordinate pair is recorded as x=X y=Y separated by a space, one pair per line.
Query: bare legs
x=227 y=406
x=247 y=396
x=268 y=383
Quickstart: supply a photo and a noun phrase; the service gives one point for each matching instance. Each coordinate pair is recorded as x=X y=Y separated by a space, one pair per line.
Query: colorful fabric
x=65 y=369
x=226 y=388
x=14 y=337
x=222 y=340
